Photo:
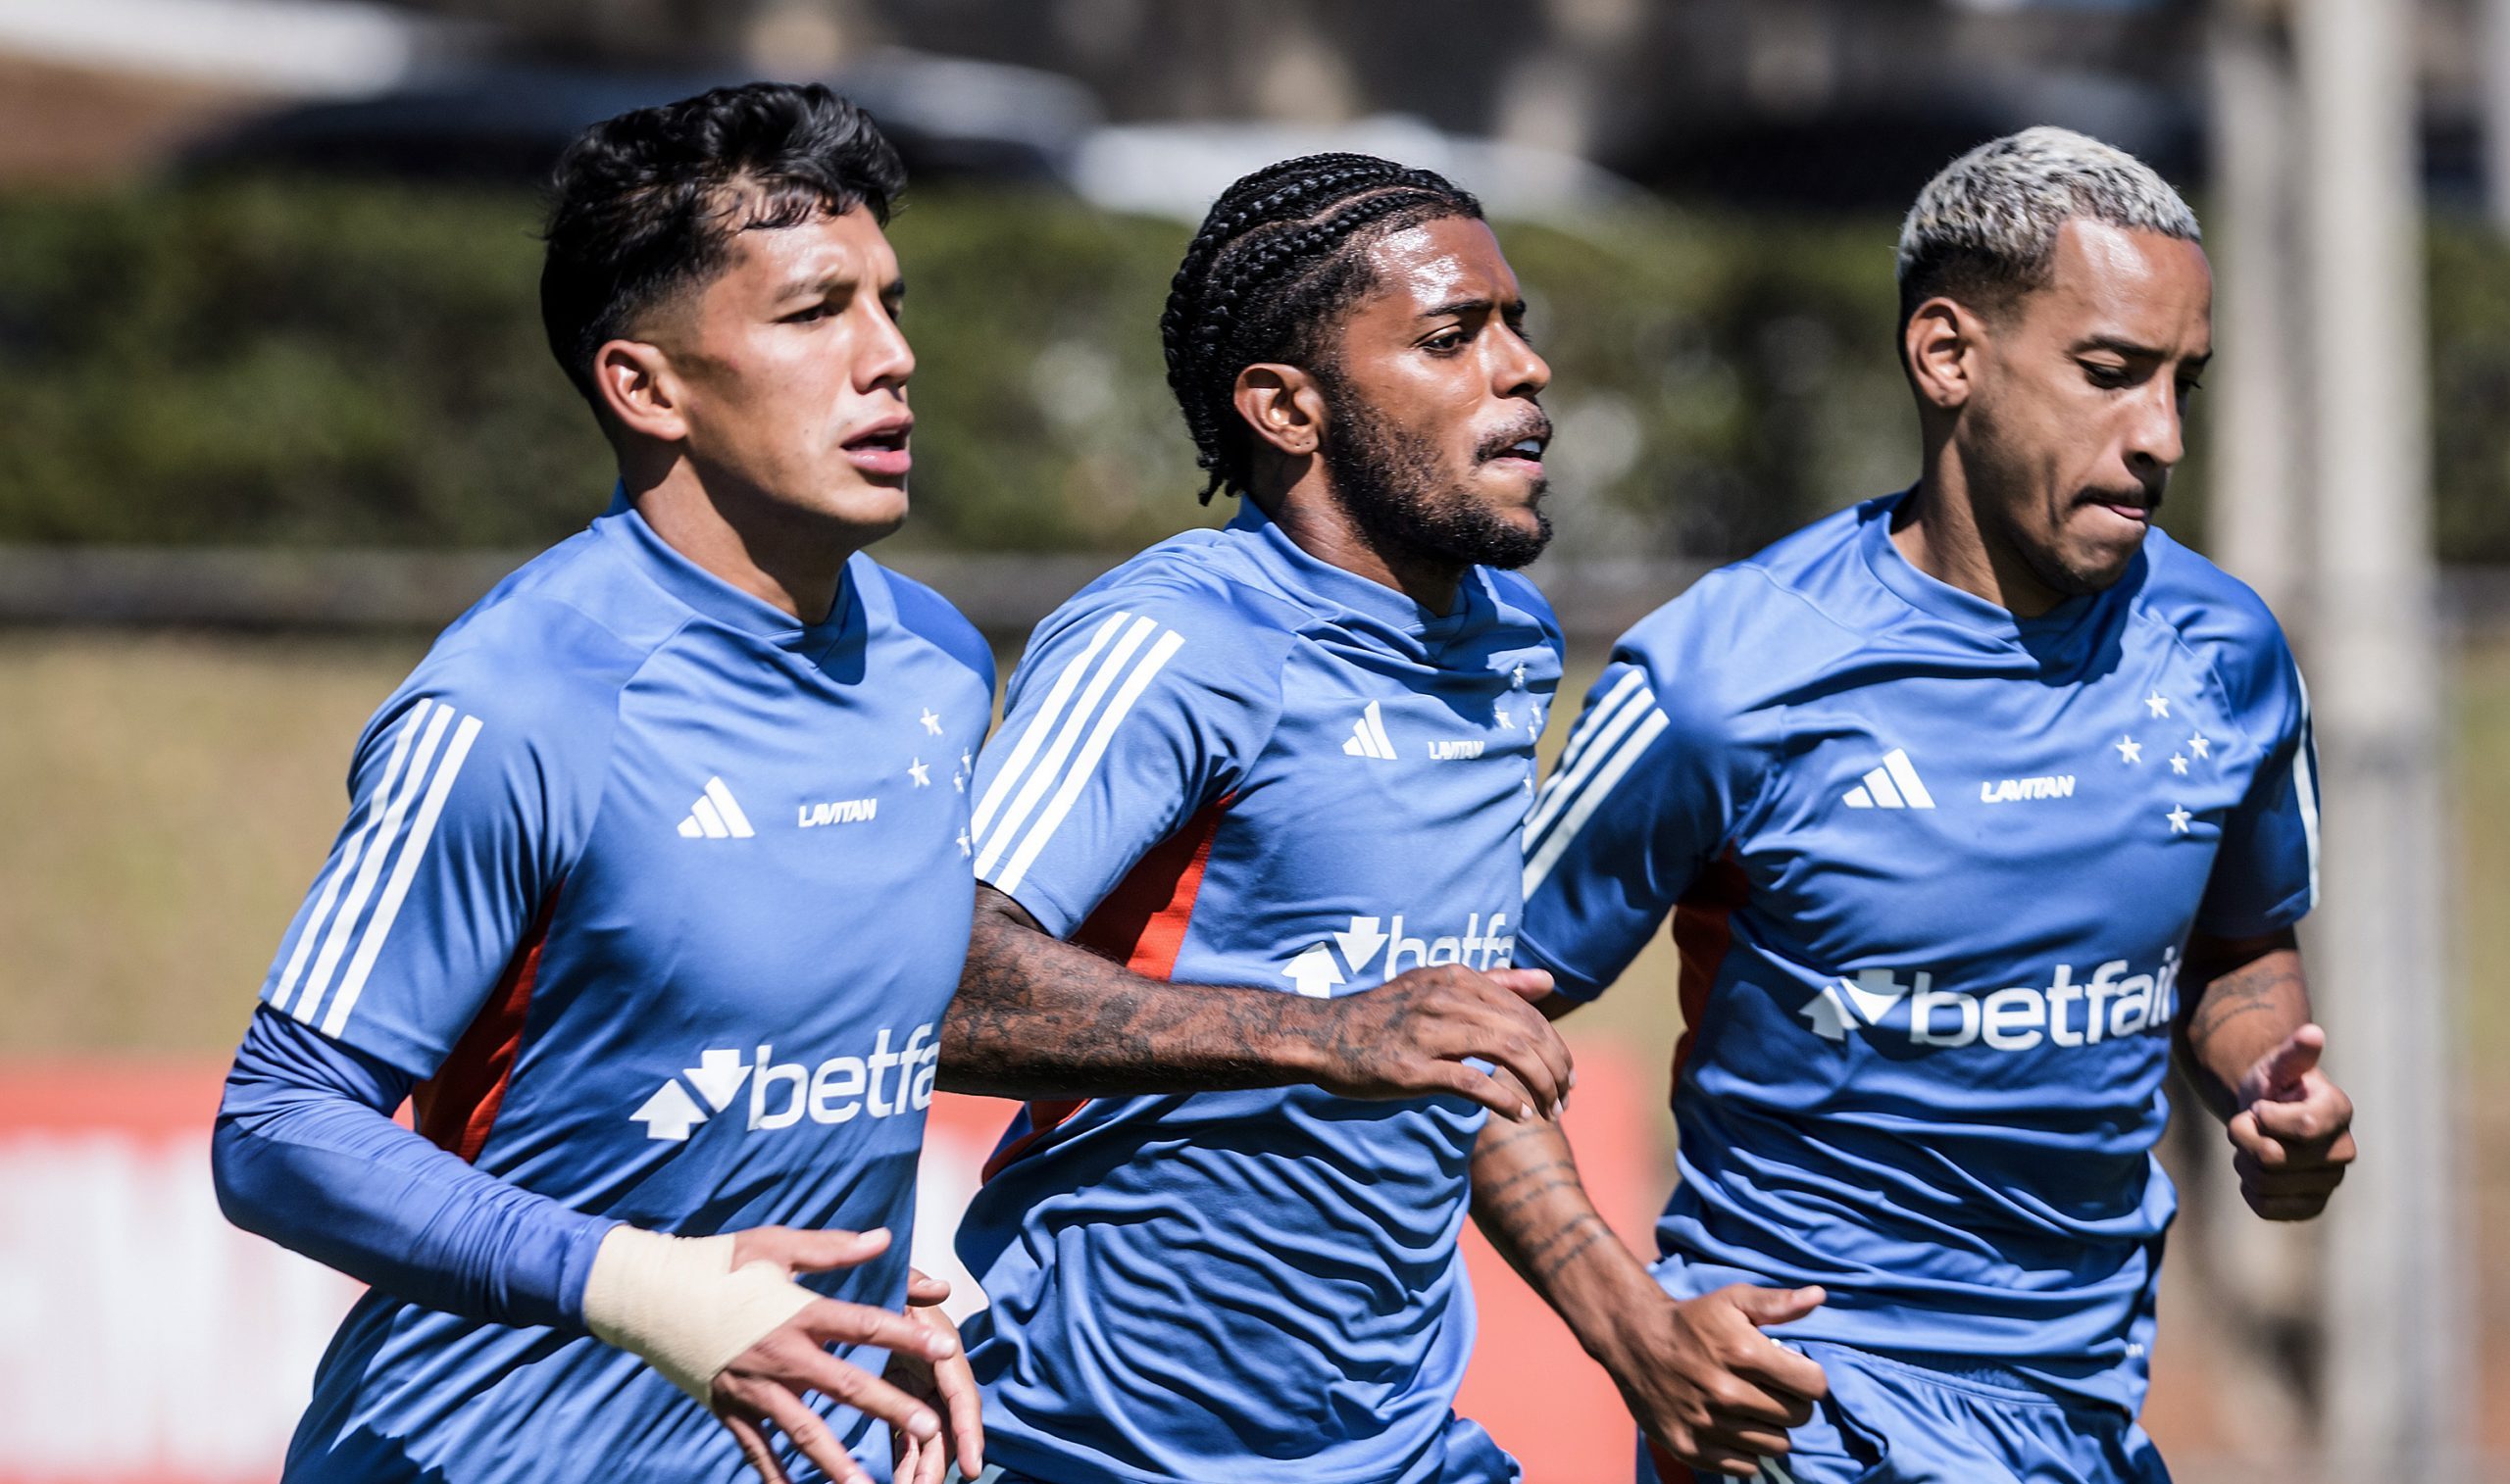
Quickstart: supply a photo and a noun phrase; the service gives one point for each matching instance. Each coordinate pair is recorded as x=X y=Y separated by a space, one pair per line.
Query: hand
x=1707 y=1386
x=763 y=1387
x=948 y=1384
x=1411 y=1035
x=2293 y=1131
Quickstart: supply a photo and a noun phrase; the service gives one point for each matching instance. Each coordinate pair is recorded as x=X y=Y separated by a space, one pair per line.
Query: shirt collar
x=1939 y=599
x=1336 y=588
x=623 y=525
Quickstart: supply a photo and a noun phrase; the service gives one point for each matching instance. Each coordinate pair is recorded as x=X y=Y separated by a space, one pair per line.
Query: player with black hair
x=648 y=901
x=1246 y=840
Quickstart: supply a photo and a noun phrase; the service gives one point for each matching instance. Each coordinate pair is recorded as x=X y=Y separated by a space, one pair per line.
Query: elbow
x=238 y=1176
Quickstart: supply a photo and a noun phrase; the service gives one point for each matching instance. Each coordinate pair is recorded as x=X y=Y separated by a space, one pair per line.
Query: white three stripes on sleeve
x=1053 y=760
x=1613 y=735
x=421 y=758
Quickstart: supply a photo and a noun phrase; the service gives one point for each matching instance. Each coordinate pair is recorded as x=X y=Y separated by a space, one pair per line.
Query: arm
x=1699 y=1377
x=1037 y=1016
x=2247 y=1041
x=307 y=1154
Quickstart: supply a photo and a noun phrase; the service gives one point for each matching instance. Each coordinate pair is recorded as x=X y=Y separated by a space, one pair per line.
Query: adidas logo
x=1367 y=736
x=1893 y=785
x=715 y=816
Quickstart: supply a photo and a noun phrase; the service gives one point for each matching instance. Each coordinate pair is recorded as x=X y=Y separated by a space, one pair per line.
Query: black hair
x=645 y=206
x=1281 y=255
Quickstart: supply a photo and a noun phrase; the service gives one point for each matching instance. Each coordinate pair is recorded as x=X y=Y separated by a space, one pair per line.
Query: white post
x=2397 y=1286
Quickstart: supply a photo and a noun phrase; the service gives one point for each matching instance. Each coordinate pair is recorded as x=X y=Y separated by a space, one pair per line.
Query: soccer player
x=1968 y=803
x=650 y=895
x=1247 y=845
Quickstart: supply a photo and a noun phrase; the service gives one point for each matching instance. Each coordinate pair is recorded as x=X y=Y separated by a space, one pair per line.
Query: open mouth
x=1526 y=448
x=882 y=448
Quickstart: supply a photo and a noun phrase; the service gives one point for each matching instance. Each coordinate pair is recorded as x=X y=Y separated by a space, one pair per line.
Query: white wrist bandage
x=677 y=1302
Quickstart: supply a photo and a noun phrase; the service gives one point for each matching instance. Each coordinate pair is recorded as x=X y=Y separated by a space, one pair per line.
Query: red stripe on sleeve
x=1142 y=925
x=457 y=1107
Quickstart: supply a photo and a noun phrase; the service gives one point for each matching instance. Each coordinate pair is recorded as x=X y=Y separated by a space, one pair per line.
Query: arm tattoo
x=1038 y=1016
x=2244 y=997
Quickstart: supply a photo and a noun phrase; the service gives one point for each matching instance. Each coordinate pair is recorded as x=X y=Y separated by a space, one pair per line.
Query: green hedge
x=285 y=361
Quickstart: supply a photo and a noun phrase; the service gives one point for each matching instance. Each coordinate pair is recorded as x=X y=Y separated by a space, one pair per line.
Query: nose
x=886 y=361
x=1518 y=369
x=2156 y=432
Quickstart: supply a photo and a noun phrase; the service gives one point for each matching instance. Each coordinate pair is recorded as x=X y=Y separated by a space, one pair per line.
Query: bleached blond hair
x=1985 y=229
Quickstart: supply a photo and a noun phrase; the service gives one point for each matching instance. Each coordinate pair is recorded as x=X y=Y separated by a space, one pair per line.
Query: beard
x=1388 y=481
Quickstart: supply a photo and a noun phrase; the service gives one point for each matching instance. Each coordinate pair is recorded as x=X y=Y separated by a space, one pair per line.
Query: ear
x=1941 y=347
x=1284 y=406
x=638 y=389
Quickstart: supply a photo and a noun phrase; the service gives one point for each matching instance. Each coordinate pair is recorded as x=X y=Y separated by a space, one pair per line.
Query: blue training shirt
x=660 y=895
x=1231 y=762
x=1932 y=870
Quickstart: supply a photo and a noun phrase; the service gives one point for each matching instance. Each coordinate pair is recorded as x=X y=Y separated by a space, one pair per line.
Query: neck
x=1940 y=531
x=784 y=557
x=1307 y=511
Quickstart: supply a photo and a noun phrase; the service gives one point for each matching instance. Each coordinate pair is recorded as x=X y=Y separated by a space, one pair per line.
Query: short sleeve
x=1641 y=800
x=431 y=884
x=1130 y=711
x=2265 y=868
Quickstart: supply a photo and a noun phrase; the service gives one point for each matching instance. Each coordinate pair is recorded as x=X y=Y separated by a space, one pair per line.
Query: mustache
x=1534 y=424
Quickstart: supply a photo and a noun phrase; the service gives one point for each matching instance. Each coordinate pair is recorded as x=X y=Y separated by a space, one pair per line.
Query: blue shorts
x=1889 y=1421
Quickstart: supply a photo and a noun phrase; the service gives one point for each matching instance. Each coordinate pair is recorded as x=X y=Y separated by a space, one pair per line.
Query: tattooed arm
x=2247 y=1043
x=1702 y=1381
x=1039 y=1017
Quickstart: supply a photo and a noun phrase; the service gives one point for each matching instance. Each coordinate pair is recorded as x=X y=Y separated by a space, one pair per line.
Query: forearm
x=2243 y=1000
x=1039 y=1017
x=1528 y=1199
x=306 y=1154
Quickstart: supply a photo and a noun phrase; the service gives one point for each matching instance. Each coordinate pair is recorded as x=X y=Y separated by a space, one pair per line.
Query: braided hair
x=1280 y=257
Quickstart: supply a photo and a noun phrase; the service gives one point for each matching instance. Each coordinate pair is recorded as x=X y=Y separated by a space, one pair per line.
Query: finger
x=836 y=1321
x=955 y=1381
x=1505 y=1098
x=1771 y=1306
x=804 y=1366
x=2280 y=1072
x=1530 y=983
x=2287 y=1208
x=1731 y=1463
x=922 y=1290
x=1739 y=1436
x=821 y=1251
x=2318 y=1117
x=753 y=1444
x=1531 y=1063
x=931 y=1462
x=808 y=1431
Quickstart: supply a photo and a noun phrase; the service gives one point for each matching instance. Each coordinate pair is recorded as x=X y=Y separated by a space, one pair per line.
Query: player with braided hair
x=1245 y=846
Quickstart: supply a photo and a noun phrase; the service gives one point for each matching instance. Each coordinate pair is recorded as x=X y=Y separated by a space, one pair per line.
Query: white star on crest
x=921 y=775
x=2128 y=749
x=2179 y=817
x=2159 y=704
x=965 y=848
x=1521 y=677
x=967 y=761
x=1506 y=717
x=2200 y=746
x=959 y=781
x=931 y=723
x=2179 y=764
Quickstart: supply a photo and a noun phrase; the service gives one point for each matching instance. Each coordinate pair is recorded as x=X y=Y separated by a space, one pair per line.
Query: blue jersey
x=1231 y=762
x=1931 y=870
x=661 y=895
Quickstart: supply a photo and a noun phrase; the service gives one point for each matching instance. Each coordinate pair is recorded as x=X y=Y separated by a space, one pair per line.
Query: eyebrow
x=1467 y=306
x=2118 y=345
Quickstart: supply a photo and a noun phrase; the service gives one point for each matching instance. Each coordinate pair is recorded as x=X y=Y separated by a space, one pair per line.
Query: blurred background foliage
x=325 y=364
